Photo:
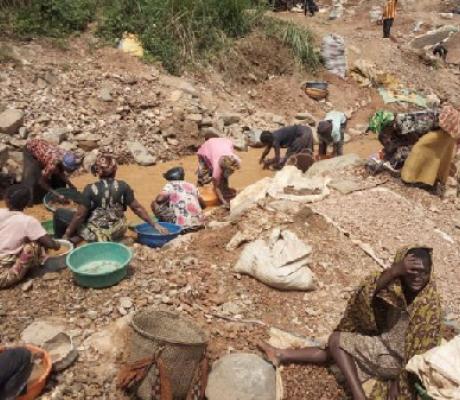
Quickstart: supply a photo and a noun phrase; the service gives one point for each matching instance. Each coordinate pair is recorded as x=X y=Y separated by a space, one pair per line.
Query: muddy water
x=148 y=181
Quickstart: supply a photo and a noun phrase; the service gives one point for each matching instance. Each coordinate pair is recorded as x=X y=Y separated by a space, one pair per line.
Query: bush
x=54 y=18
x=179 y=31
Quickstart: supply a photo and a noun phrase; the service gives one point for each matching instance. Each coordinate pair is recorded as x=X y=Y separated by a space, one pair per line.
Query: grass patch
x=300 y=40
x=53 y=18
x=179 y=32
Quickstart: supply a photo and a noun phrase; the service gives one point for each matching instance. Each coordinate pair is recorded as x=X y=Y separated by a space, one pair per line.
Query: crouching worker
x=217 y=161
x=22 y=238
x=298 y=142
x=332 y=131
x=47 y=168
x=393 y=316
x=179 y=202
x=101 y=216
x=16 y=366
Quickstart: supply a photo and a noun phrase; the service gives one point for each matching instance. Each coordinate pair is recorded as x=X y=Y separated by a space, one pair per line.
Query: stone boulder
x=433 y=37
x=10 y=121
x=230 y=118
x=56 y=135
x=328 y=167
x=140 y=153
x=241 y=376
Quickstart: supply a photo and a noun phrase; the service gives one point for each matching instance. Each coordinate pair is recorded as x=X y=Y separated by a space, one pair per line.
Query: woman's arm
x=141 y=212
x=48 y=243
x=218 y=189
x=77 y=221
x=265 y=153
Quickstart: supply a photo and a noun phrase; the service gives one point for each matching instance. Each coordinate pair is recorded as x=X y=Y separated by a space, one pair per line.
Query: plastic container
x=209 y=196
x=59 y=262
x=35 y=387
x=68 y=193
x=149 y=236
x=99 y=265
x=49 y=227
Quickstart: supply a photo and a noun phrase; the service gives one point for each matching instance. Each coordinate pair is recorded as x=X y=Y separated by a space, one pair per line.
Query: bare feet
x=272 y=354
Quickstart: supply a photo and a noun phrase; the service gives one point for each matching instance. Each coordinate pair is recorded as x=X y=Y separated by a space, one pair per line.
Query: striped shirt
x=389 y=11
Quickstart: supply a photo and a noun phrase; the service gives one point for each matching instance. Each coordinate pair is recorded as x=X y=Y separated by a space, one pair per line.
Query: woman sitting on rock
x=216 y=162
x=179 y=202
x=393 y=316
x=101 y=216
x=22 y=238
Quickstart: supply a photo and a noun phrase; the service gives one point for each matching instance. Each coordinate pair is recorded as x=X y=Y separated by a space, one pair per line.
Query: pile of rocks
x=142 y=116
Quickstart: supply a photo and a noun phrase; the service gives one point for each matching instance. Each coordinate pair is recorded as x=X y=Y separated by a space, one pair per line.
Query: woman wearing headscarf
x=392 y=316
x=431 y=157
x=101 y=216
x=415 y=146
x=46 y=168
x=179 y=202
x=217 y=161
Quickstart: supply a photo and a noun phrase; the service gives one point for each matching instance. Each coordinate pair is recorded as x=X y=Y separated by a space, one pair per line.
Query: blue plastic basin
x=148 y=235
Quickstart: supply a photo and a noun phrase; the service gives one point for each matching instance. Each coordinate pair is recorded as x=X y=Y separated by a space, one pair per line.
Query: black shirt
x=286 y=136
x=107 y=193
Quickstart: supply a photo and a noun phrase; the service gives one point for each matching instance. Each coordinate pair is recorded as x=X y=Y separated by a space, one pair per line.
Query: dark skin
x=45 y=241
x=63 y=174
x=414 y=276
x=276 y=161
x=82 y=213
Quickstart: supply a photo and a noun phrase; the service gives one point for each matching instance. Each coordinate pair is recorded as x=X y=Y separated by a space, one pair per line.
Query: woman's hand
x=410 y=265
x=393 y=393
x=161 y=230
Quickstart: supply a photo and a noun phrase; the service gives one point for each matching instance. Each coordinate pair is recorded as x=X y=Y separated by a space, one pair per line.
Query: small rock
x=91 y=314
x=105 y=94
x=306 y=116
x=175 y=96
x=346 y=138
x=210 y=132
x=172 y=141
x=140 y=153
x=10 y=121
x=23 y=133
x=126 y=302
x=56 y=135
x=89 y=160
x=50 y=276
x=230 y=118
x=195 y=117
x=446 y=15
x=26 y=286
x=277 y=119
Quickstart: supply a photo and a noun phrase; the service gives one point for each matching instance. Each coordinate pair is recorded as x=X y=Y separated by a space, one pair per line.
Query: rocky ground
x=85 y=96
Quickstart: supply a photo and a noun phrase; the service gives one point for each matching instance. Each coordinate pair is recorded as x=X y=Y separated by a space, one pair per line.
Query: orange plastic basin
x=35 y=387
x=209 y=196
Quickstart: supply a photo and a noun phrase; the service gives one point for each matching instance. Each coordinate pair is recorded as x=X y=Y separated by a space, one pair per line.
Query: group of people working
x=418 y=146
x=391 y=317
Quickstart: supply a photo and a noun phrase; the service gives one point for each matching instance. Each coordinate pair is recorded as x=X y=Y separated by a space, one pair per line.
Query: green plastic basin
x=99 y=265
x=49 y=227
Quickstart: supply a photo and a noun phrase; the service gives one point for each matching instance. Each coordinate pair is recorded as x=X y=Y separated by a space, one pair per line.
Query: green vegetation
x=54 y=18
x=179 y=32
x=298 y=39
x=176 y=32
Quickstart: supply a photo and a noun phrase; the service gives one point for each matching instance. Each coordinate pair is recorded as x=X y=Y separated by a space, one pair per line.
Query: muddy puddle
x=148 y=181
